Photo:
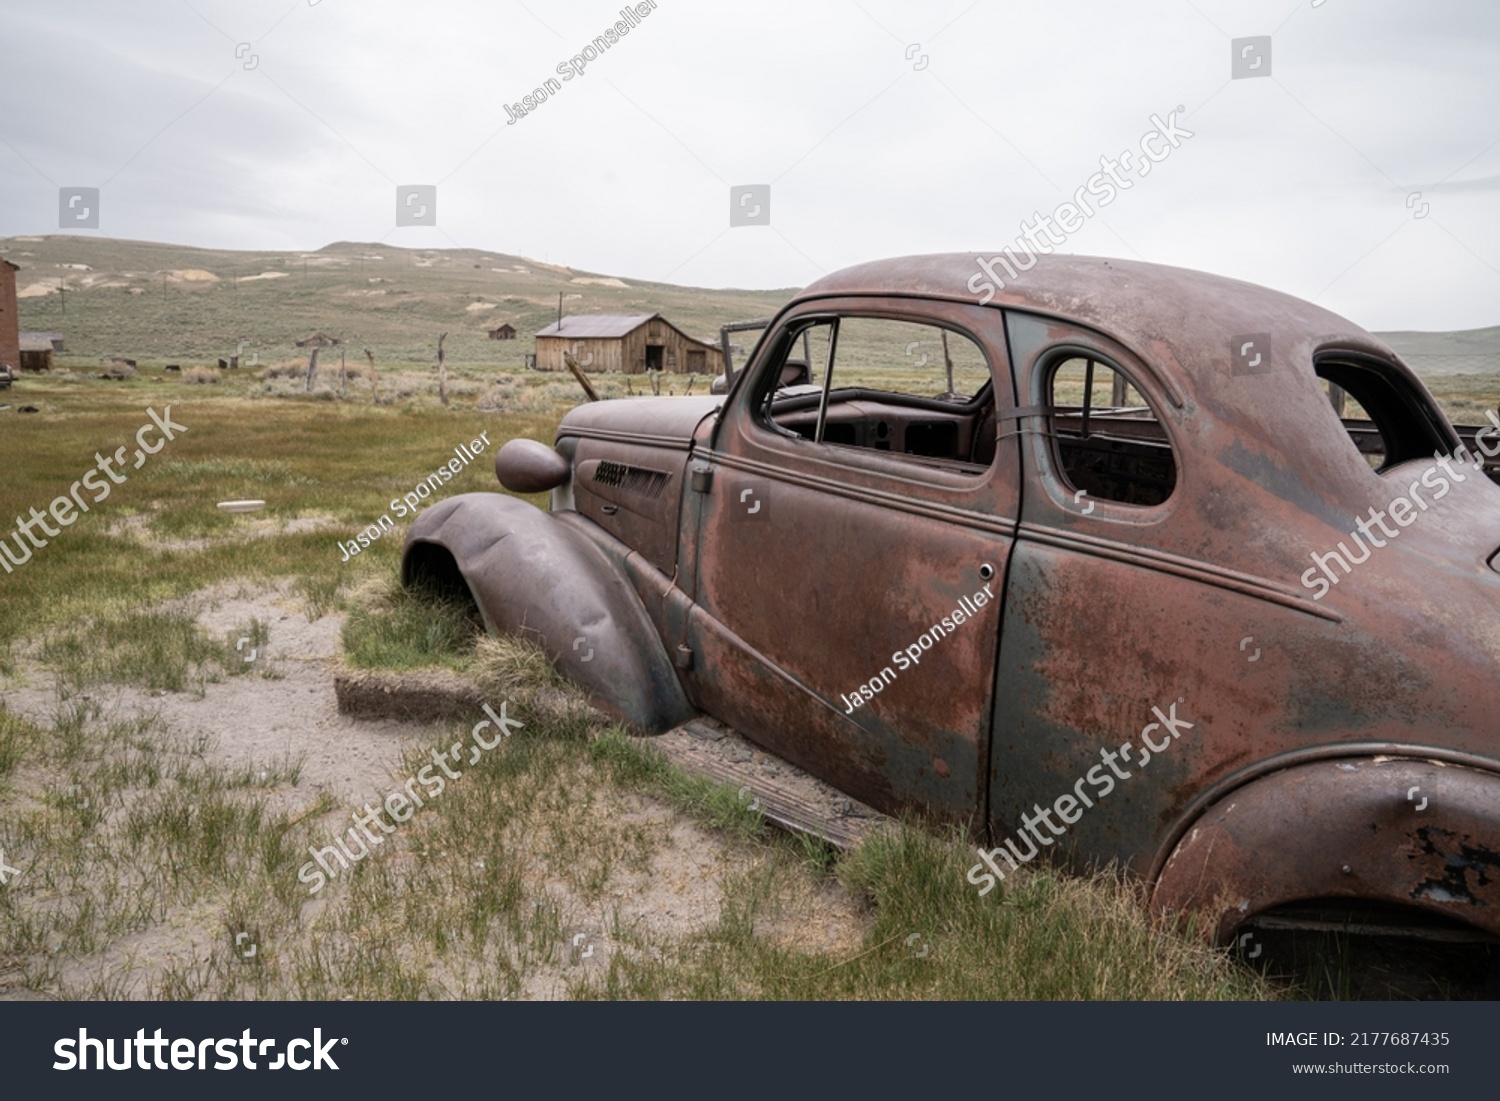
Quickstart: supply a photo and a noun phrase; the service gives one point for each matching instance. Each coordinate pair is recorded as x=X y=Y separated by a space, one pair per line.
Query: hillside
x=161 y=303
x=1471 y=351
x=187 y=305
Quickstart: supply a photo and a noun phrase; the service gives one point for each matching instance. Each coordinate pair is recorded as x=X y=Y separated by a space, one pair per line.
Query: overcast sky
x=881 y=127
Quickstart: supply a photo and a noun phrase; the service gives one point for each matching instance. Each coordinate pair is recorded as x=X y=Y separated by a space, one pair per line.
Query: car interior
x=926 y=393
x=1106 y=437
x=904 y=388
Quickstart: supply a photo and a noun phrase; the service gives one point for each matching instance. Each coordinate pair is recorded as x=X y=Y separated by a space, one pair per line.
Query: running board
x=793 y=799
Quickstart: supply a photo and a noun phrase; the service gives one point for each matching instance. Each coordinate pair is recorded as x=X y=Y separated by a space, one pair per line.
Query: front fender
x=1400 y=830
x=530 y=574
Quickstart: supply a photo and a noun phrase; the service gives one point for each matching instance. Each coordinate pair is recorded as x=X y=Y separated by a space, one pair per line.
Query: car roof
x=1183 y=322
x=1134 y=301
x=1186 y=326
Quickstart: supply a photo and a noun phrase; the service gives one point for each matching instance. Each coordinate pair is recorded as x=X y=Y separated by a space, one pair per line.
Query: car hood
x=665 y=421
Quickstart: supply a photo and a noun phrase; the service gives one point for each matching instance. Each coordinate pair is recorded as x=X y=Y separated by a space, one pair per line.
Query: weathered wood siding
x=10 y=322
x=628 y=354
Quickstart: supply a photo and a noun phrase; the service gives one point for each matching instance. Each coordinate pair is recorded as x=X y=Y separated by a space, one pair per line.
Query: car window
x=903 y=387
x=1387 y=420
x=1106 y=437
x=1362 y=430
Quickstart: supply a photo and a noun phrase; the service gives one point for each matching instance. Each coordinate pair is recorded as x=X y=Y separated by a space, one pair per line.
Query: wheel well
x=1360 y=948
x=430 y=569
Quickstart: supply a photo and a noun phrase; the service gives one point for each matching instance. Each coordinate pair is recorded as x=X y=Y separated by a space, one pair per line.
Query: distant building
x=507 y=331
x=319 y=340
x=36 y=353
x=55 y=339
x=10 y=322
x=623 y=343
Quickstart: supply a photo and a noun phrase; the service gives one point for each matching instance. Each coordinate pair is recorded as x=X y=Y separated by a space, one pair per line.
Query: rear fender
x=1412 y=832
x=530 y=574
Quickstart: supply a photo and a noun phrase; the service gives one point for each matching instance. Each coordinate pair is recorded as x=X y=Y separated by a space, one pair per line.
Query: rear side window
x=1388 y=421
x=1107 y=440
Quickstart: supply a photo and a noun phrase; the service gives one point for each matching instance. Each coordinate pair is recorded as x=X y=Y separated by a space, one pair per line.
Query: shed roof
x=597 y=325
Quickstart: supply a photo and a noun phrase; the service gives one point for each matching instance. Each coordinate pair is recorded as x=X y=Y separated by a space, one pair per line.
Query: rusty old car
x=1090 y=563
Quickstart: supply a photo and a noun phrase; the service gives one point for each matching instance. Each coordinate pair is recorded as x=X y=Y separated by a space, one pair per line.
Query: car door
x=853 y=541
x=1103 y=643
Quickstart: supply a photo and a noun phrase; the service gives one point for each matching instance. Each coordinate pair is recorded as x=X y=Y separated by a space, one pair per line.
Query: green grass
x=161 y=651
x=16 y=737
x=1044 y=936
x=160 y=535
x=400 y=629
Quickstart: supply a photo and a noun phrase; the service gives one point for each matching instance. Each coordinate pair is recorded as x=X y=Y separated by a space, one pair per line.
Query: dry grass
x=290 y=368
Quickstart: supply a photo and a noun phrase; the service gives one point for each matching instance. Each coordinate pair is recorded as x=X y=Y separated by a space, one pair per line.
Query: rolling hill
x=159 y=302
x=156 y=302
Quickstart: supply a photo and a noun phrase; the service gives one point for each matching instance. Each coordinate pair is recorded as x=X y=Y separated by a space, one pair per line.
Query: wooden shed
x=10 y=321
x=506 y=331
x=57 y=340
x=626 y=343
x=36 y=353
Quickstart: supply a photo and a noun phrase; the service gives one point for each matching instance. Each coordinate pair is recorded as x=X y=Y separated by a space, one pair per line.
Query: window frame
x=782 y=343
x=1401 y=395
x=1047 y=364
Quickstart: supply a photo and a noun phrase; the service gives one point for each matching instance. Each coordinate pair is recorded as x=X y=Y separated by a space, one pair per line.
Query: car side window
x=907 y=388
x=1387 y=421
x=1107 y=439
x=1362 y=430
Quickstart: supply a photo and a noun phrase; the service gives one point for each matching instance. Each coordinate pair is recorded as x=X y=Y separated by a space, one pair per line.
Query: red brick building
x=10 y=322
